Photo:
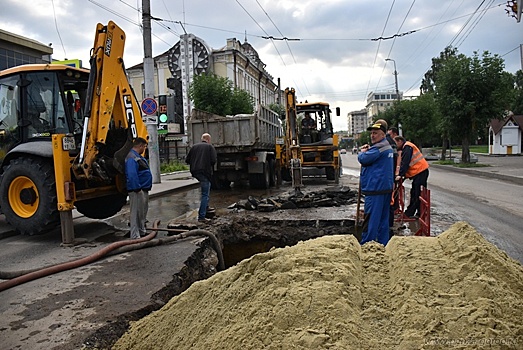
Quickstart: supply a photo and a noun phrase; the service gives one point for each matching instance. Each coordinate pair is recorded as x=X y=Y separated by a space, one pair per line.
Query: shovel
x=358 y=226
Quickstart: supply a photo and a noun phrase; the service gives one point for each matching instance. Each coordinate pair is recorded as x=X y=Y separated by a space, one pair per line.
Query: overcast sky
x=335 y=57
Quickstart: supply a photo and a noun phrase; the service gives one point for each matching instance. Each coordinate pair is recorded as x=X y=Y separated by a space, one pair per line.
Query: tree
x=215 y=94
x=241 y=102
x=517 y=97
x=211 y=93
x=470 y=92
x=278 y=108
x=418 y=119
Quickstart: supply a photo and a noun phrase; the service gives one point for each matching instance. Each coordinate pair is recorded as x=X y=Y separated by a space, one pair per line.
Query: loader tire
x=28 y=195
x=102 y=207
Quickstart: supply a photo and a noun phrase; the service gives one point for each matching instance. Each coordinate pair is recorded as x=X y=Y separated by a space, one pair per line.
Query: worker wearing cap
x=377 y=182
x=413 y=166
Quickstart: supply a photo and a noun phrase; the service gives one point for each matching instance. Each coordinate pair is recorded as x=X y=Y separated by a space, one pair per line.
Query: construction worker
x=392 y=132
x=414 y=167
x=376 y=181
x=308 y=129
x=139 y=182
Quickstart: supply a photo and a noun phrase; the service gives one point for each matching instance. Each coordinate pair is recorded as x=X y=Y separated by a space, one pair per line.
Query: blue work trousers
x=376 y=218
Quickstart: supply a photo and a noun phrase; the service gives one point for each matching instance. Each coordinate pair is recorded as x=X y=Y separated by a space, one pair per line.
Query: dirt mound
x=455 y=290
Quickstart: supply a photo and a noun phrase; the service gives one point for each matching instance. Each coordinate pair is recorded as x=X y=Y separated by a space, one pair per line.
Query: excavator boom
x=111 y=105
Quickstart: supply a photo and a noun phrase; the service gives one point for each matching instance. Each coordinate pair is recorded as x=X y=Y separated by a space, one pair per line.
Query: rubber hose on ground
x=170 y=239
x=114 y=248
x=46 y=271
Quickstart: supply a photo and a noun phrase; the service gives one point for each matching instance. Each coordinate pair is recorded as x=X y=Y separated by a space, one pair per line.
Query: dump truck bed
x=241 y=132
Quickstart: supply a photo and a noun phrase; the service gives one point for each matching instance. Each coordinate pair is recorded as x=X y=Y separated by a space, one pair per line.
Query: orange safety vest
x=417 y=162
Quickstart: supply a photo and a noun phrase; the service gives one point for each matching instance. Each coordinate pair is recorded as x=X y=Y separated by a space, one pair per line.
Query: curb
x=513 y=179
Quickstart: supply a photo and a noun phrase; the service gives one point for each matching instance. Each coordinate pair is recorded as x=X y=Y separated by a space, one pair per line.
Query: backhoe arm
x=111 y=106
x=292 y=147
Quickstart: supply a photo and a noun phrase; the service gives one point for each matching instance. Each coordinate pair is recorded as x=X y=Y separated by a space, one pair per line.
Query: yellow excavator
x=64 y=135
x=315 y=148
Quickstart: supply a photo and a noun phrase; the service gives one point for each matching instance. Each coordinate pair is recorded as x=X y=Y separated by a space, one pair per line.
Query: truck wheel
x=219 y=184
x=261 y=181
x=286 y=174
x=102 y=207
x=28 y=195
x=272 y=172
x=330 y=172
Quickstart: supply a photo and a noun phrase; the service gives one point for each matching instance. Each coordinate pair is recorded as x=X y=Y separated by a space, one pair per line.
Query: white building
x=174 y=71
x=379 y=101
x=506 y=136
x=357 y=121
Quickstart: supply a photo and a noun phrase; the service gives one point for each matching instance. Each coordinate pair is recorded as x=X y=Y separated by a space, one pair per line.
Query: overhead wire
x=394 y=41
x=476 y=21
x=379 y=44
x=58 y=31
x=470 y=16
x=272 y=41
x=286 y=42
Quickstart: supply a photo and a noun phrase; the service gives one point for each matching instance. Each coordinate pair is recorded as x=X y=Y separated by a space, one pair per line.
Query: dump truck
x=244 y=143
x=64 y=135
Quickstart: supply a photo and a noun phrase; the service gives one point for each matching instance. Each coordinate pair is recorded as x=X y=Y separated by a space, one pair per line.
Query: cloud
x=334 y=60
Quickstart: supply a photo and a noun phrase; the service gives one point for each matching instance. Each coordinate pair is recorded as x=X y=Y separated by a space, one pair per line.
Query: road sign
x=150 y=119
x=162 y=129
x=149 y=106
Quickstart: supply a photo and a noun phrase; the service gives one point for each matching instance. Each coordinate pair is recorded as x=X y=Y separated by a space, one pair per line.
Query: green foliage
x=469 y=93
x=173 y=166
x=215 y=94
x=517 y=96
x=460 y=165
x=364 y=138
x=241 y=102
x=419 y=119
x=211 y=93
x=279 y=109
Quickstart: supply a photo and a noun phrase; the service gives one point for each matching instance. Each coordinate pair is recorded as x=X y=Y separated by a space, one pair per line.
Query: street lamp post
x=395 y=78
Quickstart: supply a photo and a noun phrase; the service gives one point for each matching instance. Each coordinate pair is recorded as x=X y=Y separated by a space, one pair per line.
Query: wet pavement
x=66 y=307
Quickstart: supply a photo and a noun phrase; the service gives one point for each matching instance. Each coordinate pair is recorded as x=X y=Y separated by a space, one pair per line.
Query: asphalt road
x=57 y=312
x=492 y=206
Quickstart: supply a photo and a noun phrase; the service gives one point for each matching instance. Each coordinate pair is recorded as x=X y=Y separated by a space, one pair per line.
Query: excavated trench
x=245 y=236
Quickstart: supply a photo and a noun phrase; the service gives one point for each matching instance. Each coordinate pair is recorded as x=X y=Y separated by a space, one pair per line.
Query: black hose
x=147 y=241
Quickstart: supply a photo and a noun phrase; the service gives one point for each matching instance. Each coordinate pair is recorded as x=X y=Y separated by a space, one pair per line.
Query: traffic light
x=162 y=114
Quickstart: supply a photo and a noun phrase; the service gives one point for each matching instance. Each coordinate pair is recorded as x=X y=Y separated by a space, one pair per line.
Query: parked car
x=343 y=151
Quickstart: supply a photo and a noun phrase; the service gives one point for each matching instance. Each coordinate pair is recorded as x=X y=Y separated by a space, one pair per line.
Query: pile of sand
x=455 y=290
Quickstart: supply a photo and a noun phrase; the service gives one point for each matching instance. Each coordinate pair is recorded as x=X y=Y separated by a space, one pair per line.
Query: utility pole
x=148 y=74
x=395 y=78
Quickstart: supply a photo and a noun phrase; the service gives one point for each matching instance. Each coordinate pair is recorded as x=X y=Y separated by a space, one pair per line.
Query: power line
x=272 y=41
x=379 y=43
x=57 y=31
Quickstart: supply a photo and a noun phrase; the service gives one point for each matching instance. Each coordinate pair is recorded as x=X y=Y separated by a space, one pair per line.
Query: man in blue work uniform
x=139 y=183
x=377 y=182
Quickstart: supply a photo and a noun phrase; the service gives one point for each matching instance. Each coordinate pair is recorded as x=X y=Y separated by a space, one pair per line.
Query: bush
x=172 y=166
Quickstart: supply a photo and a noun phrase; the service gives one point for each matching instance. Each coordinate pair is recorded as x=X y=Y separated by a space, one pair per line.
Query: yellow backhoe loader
x=64 y=136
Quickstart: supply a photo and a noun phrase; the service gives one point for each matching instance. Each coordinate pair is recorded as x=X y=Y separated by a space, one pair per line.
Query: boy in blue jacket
x=377 y=182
